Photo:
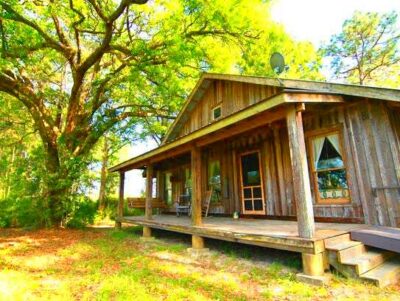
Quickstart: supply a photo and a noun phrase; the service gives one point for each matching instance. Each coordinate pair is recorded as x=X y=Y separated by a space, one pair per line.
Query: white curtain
x=318 y=144
x=334 y=139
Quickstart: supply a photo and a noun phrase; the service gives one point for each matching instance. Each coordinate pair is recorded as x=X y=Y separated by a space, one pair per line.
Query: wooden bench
x=141 y=203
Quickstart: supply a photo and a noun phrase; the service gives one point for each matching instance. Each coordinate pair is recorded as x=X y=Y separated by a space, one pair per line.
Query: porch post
x=196 y=186
x=120 y=211
x=149 y=191
x=197 y=241
x=301 y=180
x=149 y=194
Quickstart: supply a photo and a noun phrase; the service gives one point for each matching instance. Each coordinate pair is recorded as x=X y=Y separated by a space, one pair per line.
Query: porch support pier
x=149 y=195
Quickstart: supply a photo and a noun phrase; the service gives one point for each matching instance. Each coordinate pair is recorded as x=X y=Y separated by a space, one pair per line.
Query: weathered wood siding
x=374 y=141
x=371 y=144
x=232 y=96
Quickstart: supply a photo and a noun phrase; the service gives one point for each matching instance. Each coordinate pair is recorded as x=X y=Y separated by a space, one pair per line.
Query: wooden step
x=367 y=261
x=351 y=253
x=385 y=274
x=346 y=270
x=336 y=239
x=339 y=246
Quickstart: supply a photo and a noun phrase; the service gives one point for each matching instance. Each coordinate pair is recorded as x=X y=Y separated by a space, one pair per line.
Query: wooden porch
x=276 y=234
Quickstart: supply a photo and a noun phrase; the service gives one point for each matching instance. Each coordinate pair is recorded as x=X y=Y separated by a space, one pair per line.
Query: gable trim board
x=286 y=84
x=288 y=97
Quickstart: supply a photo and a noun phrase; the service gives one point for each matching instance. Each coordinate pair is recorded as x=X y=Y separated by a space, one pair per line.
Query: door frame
x=252 y=212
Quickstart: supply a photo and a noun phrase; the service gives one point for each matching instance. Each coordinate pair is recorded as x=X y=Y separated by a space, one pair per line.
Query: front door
x=251 y=183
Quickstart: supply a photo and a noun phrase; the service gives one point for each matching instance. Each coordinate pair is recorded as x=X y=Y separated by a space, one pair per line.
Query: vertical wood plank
x=301 y=179
x=196 y=186
x=121 y=199
x=279 y=167
x=149 y=191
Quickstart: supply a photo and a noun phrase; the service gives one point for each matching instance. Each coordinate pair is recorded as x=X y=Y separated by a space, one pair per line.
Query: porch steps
x=353 y=259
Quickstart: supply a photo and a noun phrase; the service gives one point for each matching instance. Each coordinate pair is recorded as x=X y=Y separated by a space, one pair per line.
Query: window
x=216 y=112
x=214 y=179
x=329 y=169
x=154 y=188
x=188 y=182
x=168 y=188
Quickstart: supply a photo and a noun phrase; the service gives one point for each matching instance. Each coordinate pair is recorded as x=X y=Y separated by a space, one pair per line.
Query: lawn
x=108 y=264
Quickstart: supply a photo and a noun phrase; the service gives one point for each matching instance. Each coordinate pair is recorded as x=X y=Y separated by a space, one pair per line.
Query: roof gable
x=309 y=86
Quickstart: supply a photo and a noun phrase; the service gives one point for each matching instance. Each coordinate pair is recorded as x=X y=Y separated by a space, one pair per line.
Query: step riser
x=351 y=253
x=390 y=278
x=345 y=270
x=335 y=240
x=367 y=265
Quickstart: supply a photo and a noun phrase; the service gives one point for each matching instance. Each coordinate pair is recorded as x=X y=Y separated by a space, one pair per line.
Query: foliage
x=367 y=51
x=83 y=70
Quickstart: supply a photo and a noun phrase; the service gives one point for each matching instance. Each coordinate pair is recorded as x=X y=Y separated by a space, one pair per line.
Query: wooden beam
x=120 y=211
x=196 y=186
x=149 y=191
x=301 y=179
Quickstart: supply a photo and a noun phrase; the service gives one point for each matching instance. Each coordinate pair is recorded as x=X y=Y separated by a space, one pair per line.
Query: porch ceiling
x=262 y=113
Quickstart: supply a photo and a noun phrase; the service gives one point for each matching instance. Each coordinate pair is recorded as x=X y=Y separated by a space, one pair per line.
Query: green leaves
x=367 y=48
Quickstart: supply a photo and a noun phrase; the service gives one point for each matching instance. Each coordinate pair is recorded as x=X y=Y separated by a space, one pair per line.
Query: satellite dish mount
x=277 y=62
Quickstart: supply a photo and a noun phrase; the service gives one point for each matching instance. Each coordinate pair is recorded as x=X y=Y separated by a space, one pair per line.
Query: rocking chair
x=205 y=206
x=183 y=205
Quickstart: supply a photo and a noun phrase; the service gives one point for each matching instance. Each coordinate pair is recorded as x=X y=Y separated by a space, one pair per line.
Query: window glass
x=214 y=179
x=154 y=188
x=168 y=188
x=251 y=170
x=329 y=168
x=217 y=112
x=188 y=182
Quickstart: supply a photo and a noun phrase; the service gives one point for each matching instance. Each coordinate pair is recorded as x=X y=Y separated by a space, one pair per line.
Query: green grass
x=108 y=264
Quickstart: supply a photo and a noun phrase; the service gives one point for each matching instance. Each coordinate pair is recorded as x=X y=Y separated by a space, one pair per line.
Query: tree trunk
x=57 y=186
x=104 y=173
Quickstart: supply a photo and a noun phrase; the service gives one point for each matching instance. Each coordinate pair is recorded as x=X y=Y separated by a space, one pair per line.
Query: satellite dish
x=277 y=63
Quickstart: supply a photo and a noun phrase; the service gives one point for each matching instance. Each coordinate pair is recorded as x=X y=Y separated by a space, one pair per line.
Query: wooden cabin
x=318 y=158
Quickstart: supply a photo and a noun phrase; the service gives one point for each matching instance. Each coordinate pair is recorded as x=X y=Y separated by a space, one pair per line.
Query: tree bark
x=103 y=176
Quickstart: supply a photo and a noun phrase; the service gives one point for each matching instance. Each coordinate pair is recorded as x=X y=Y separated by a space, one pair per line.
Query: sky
x=317 y=20
x=312 y=20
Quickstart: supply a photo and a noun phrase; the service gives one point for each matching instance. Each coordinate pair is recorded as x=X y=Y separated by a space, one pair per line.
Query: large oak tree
x=82 y=68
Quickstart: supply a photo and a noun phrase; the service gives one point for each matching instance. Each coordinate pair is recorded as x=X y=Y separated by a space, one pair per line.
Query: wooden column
x=313 y=264
x=146 y=232
x=149 y=192
x=120 y=210
x=301 y=180
x=196 y=186
x=197 y=242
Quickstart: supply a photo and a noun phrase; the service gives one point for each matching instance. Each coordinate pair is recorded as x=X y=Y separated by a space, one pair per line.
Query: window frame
x=209 y=185
x=166 y=189
x=314 y=173
x=218 y=106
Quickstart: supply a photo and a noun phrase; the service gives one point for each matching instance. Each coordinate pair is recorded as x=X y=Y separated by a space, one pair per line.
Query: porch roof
x=273 y=106
x=287 y=84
